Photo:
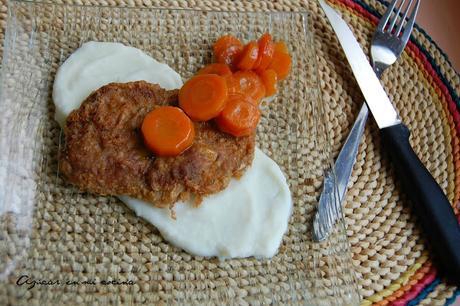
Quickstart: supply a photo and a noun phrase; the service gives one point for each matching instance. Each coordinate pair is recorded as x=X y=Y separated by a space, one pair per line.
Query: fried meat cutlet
x=104 y=151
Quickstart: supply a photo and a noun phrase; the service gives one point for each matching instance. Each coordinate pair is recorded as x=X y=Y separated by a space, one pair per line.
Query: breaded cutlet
x=104 y=151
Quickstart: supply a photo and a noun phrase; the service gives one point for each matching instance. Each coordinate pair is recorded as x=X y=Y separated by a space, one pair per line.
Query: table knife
x=430 y=205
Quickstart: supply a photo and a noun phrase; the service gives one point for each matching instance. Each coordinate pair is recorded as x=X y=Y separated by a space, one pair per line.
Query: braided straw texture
x=386 y=244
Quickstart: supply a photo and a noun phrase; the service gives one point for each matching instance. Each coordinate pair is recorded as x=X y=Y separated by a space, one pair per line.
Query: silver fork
x=389 y=40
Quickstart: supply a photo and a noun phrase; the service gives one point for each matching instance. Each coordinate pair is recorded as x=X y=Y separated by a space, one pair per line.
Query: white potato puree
x=96 y=64
x=248 y=218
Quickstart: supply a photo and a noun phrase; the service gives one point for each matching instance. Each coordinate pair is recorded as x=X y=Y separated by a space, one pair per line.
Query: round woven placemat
x=391 y=260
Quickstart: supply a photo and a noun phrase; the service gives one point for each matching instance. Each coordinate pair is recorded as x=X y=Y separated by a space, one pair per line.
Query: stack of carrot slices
x=256 y=67
x=228 y=92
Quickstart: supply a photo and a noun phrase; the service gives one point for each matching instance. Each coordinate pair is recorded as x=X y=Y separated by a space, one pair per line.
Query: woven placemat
x=389 y=255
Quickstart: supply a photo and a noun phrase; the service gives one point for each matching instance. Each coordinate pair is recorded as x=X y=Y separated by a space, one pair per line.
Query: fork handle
x=347 y=156
x=344 y=163
x=430 y=204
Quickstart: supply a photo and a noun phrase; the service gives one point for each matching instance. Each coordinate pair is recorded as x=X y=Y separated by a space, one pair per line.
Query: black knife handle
x=430 y=204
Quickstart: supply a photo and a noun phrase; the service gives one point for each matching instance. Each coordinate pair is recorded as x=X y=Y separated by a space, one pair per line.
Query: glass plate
x=71 y=243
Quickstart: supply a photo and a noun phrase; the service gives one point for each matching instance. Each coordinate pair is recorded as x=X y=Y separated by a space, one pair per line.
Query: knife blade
x=380 y=106
x=431 y=206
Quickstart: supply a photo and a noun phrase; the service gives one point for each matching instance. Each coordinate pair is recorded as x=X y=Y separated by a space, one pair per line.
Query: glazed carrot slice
x=233 y=85
x=228 y=56
x=203 y=97
x=281 y=47
x=269 y=79
x=266 y=50
x=249 y=84
x=227 y=50
x=248 y=56
x=239 y=117
x=216 y=68
x=225 y=41
x=167 y=131
x=281 y=63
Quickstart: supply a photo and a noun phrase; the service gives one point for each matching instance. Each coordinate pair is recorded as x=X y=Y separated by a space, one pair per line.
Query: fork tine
x=386 y=16
x=410 y=24
x=395 y=17
x=398 y=30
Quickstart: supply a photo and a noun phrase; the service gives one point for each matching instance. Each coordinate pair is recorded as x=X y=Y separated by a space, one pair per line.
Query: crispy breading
x=105 y=154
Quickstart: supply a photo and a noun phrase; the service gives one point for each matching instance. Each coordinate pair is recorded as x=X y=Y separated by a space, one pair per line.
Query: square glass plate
x=53 y=233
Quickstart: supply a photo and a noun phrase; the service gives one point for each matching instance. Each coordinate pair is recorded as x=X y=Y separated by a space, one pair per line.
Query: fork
x=388 y=42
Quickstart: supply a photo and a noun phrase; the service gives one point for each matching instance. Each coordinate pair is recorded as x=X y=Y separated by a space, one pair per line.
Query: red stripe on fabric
x=416 y=289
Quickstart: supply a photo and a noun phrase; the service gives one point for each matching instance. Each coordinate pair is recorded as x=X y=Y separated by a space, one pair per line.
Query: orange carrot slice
x=225 y=41
x=167 y=131
x=281 y=63
x=269 y=79
x=203 y=97
x=266 y=50
x=239 y=117
x=248 y=56
x=216 y=68
x=227 y=50
x=249 y=84
x=281 y=47
x=233 y=85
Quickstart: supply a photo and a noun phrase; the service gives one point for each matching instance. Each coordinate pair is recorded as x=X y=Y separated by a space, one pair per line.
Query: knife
x=430 y=205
